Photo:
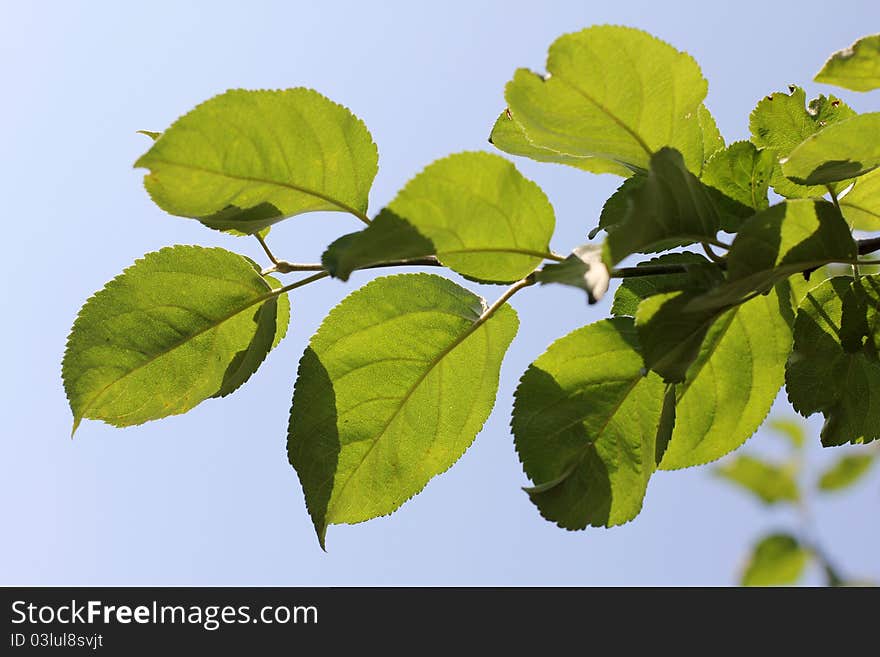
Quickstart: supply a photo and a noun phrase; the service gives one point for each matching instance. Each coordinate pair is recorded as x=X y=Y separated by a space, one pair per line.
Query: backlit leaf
x=731 y=385
x=780 y=122
x=179 y=326
x=856 y=68
x=741 y=174
x=672 y=205
x=834 y=368
x=790 y=237
x=586 y=422
x=613 y=93
x=861 y=204
x=248 y=159
x=768 y=482
x=508 y=136
x=481 y=216
x=777 y=560
x=391 y=391
x=846 y=471
x=842 y=151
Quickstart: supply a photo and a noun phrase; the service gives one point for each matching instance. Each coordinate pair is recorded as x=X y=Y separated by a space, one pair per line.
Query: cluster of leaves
x=402 y=374
x=780 y=558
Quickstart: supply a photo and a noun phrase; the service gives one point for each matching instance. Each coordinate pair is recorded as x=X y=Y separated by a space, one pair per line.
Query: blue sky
x=208 y=497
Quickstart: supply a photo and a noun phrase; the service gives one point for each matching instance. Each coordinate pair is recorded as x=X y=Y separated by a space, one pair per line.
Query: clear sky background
x=208 y=497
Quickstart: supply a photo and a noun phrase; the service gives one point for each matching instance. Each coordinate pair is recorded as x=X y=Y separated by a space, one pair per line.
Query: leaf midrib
x=260 y=181
x=177 y=345
x=434 y=362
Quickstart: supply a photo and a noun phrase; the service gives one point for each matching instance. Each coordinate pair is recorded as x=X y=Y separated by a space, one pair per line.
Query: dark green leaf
x=586 y=422
x=769 y=482
x=612 y=93
x=387 y=238
x=846 y=471
x=788 y=238
x=834 y=368
x=777 y=560
x=671 y=205
x=842 y=151
x=856 y=68
x=391 y=391
x=671 y=334
x=702 y=274
x=179 y=326
x=617 y=206
x=248 y=159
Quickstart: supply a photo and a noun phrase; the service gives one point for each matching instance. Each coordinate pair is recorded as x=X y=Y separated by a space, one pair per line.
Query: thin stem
x=653 y=270
x=869 y=245
x=500 y=301
x=718 y=243
x=266 y=248
x=301 y=282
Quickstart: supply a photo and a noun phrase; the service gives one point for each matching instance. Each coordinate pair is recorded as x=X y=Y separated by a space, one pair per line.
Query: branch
x=869 y=245
x=865 y=246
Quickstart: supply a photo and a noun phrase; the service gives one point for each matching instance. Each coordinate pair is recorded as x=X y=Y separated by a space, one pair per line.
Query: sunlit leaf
x=391 y=391
x=586 y=422
x=856 y=68
x=179 y=326
x=248 y=159
x=613 y=93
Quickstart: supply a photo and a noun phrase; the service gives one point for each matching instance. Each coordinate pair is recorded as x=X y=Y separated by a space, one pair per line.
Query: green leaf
x=833 y=367
x=712 y=139
x=702 y=274
x=845 y=150
x=248 y=159
x=179 y=326
x=391 y=391
x=741 y=173
x=781 y=122
x=769 y=482
x=790 y=237
x=613 y=93
x=856 y=68
x=386 y=239
x=777 y=560
x=483 y=218
x=671 y=205
x=149 y=133
x=583 y=268
x=846 y=471
x=861 y=204
x=272 y=320
x=508 y=136
x=731 y=385
x=617 y=206
x=791 y=429
x=671 y=334
x=586 y=422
